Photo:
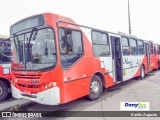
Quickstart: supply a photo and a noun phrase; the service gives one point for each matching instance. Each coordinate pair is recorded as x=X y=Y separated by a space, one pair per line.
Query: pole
x=129 y=21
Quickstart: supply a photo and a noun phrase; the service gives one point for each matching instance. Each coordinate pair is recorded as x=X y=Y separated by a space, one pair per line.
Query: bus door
x=147 y=55
x=116 y=58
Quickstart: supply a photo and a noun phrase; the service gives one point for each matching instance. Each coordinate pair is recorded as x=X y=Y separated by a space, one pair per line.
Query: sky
x=109 y=15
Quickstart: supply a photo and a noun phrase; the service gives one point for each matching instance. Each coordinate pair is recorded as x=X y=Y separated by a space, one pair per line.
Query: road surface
x=147 y=90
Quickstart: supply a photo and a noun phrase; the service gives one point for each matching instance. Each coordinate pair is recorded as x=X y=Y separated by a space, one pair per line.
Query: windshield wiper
x=20 y=50
x=18 y=47
x=46 y=49
x=30 y=37
x=34 y=31
x=14 y=36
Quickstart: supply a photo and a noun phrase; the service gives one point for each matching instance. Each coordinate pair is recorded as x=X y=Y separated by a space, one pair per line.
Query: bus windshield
x=5 y=53
x=34 y=50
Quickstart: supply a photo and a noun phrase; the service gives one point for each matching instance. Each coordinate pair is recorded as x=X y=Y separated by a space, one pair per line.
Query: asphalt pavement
x=147 y=90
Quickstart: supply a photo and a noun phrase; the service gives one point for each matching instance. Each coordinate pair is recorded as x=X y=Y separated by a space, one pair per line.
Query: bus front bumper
x=47 y=97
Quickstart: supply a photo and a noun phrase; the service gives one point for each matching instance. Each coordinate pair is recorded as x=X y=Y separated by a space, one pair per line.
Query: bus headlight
x=6 y=71
x=45 y=86
x=50 y=85
x=13 y=82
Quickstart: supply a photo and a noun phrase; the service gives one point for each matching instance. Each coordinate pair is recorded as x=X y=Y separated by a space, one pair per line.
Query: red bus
x=56 y=61
x=5 y=65
x=158 y=48
x=151 y=56
x=156 y=56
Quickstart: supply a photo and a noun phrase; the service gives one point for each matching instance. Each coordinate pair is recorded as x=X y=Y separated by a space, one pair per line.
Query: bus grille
x=28 y=76
x=29 y=86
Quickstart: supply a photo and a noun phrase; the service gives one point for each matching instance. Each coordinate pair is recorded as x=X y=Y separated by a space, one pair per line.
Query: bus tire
x=3 y=91
x=142 y=72
x=157 y=68
x=96 y=88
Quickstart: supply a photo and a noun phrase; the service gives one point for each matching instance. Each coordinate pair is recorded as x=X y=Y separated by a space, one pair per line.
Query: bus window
x=6 y=51
x=133 y=46
x=71 y=47
x=125 y=46
x=140 y=47
x=155 y=50
x=159 y=50
x=100 y=44
x=151 y=48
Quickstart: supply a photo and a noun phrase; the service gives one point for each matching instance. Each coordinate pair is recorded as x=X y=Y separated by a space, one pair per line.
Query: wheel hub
x=1 y=91
x=142 y=72
x=95 y=87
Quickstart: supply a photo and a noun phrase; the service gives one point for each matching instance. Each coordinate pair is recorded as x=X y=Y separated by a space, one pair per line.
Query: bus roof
x=68 y=20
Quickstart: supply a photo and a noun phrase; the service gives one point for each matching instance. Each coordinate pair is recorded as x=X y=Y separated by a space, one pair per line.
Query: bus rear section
x=158 y=49
x=152 y=56
x=56 y=61
x=156 y=57
x=5 y=65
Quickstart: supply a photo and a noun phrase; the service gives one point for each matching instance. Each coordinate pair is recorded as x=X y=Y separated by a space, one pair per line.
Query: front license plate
x=27 y=93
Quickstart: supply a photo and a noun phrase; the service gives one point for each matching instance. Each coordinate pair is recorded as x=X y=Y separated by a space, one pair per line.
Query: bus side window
x=125 y=46
x=100 y=44
x=159 y=50
x=77 y=42
x=155 y=50
x=71 y=47
x=133 y=46
x=70 y=41
x=62 y=40
x=151 y=48
x=140 y=47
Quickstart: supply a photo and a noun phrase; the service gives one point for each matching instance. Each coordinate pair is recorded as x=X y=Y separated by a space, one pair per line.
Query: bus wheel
x=157 y=69
x=95 y=88
x=142 y=72
x=3 y=91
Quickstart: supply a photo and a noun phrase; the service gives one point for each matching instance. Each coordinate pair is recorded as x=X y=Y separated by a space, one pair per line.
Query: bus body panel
x=131 y=66
x=5 y=71
x=156 y=57
x=48 y=97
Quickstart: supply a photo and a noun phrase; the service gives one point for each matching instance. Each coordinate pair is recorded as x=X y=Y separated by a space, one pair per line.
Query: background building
x=2 y=37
